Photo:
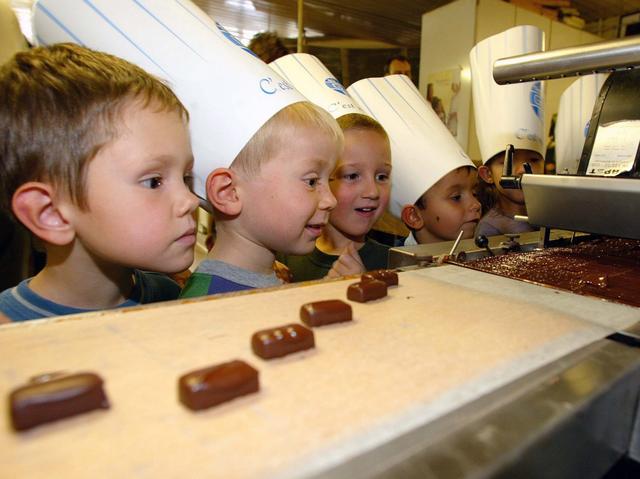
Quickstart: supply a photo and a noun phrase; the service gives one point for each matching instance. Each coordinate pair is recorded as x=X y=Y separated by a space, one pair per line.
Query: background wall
x=470 y=22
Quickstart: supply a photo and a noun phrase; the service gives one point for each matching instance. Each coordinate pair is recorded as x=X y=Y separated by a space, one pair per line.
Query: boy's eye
x=311 y=182
x=152 y=183
x=350 y=176
x=456 y=197
x=188 y=180
x=382 y=177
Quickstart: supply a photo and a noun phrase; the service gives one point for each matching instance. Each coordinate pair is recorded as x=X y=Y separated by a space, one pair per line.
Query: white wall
x=449 y=33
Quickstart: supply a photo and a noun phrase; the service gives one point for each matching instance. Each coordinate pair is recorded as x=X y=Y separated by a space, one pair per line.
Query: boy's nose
x=475 y=204
x=371 y=189
x=327 y=200
x=187 y=202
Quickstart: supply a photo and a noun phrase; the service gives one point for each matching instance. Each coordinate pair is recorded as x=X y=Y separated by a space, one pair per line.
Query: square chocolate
x=367 y=290
x=207 y=387
x=278 y=342
x=51 y=397
x=321 y=313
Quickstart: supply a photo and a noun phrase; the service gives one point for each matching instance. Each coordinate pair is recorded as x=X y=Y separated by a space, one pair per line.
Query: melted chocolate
x=321 y=313
x=606 y=268
x=278 y=342
x=367 y=291
x=56 y=396
x=386 y=275
x=214 y=385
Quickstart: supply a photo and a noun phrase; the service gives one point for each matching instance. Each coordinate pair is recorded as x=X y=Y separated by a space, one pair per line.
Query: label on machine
x=615 y=148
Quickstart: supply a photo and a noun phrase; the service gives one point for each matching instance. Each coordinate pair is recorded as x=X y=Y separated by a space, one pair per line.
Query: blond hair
x=59 y=106
x=274 y=135
x=358 y=121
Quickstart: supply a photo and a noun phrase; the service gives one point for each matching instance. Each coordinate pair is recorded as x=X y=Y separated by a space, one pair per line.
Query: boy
x=433 y=179
x=275 y=196
x=445 y=209
x=361 y=183
x=96 y=162
x=506 y=114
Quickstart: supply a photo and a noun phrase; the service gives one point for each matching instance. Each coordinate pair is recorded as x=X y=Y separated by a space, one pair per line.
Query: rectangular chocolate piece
x=49 y=398
x=214 y=385
x=386 y=275
x=321 y=313
x=278 y=342
x=367 y=291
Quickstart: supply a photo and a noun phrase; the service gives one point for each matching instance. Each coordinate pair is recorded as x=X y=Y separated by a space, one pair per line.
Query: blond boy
x=96 y=162
x=275 y=196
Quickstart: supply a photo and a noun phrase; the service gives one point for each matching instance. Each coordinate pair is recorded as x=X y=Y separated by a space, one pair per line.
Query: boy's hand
x=348 y=263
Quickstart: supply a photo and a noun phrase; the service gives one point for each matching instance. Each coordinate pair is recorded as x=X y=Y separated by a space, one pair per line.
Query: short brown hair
x=59 y=106
x=277 y=132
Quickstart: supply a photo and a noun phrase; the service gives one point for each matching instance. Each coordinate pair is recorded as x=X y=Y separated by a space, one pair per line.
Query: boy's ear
x=412 y=217
x=222 y=191
x=35 y=207
x=484 y=172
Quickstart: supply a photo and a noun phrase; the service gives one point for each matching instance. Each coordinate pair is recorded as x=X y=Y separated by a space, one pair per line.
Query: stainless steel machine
x=600 y=200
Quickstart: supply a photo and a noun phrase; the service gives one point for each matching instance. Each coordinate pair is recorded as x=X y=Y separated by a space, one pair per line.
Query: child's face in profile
x=287 y=204
x=520 y=157
x=361 y=183
x=451 y=206
x=138 y=192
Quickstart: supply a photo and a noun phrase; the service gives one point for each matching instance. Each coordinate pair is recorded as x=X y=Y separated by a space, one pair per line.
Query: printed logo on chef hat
x=535 y=98
x=311 y=78
x=335 y=85
x=229 y=36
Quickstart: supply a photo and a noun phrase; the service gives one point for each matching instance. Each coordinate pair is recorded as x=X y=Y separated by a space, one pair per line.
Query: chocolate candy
x=211 y=386
x=386 y=275
x=278 y=342
x=321 y=313
x=367 y=290
x=48 y=398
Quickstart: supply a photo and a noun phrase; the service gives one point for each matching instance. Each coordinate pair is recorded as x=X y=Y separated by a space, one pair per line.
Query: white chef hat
x=422 y=148
x=572 y=124
x=507 y=114
x=228 y=91
x=311 y=78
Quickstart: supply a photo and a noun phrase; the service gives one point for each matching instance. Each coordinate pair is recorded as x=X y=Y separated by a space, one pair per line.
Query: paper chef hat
x=507 y=113
x=311 y=78
x=228 y=91
x=572 y=125
x=422 y=148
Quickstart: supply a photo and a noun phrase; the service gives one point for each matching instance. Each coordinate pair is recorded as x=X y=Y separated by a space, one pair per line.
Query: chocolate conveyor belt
x=439 y=379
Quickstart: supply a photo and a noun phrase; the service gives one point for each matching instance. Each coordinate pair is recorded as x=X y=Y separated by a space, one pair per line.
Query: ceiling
x=375 y=23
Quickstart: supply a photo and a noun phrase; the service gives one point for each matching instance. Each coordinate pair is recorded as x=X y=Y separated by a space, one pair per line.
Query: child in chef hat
x=434 y=181
x=360 y=181
x=96 y=163
x=506 y=114
x=263 y=154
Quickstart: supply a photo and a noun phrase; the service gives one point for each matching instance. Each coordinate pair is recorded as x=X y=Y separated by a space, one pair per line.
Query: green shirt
x=317 y=264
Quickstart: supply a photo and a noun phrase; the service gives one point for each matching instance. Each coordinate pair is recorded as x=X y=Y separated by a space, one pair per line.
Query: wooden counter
x=431 y=346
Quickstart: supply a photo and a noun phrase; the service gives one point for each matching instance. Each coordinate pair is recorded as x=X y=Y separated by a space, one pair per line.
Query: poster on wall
x=443 y=90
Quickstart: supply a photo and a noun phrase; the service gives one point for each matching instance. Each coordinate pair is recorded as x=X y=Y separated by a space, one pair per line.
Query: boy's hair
x=358 y=121
x=277 y=132
x=422 y=201
x=59 y=106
